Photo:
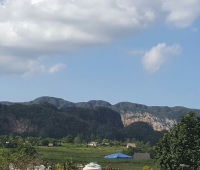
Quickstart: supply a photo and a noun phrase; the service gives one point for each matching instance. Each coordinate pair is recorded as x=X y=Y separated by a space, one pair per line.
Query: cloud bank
x=154 y=58
x=33 y=29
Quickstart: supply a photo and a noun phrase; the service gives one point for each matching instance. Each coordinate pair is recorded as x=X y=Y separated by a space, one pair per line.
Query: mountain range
x=159 y=117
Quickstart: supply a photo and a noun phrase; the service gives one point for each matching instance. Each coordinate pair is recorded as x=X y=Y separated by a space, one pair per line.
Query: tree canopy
x=181 y=146
x=19 y=158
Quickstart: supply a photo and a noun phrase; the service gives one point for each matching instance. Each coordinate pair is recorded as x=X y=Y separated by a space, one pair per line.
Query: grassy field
x=85 y=155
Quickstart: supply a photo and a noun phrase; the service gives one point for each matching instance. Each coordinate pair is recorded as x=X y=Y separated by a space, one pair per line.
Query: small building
x=92 y=144
x=50 y=144
x=141 y=156
x=133 y=145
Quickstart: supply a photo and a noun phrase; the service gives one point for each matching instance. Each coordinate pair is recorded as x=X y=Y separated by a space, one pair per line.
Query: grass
x=84 y=155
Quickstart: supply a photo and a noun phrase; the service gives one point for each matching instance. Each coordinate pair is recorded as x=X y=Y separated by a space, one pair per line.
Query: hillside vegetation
x=46 y=120
x=121 y=107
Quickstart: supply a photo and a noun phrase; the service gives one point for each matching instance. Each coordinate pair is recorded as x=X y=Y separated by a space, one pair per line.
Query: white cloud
x=181 y=12
x=34 y=28
x=56 y=68
x=157 y=55
x=26 y=67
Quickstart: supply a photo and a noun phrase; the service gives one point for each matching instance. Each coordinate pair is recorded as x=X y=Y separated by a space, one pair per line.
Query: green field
x=84 y=155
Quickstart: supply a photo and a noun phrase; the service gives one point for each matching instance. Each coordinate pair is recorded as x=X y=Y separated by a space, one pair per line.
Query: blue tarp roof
x=118 y=155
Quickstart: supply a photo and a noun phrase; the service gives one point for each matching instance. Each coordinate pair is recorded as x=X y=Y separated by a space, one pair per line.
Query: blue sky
x=113 y=50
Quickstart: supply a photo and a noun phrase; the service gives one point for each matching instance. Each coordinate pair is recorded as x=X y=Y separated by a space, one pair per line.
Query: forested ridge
x=121 y=107
x=46 y=120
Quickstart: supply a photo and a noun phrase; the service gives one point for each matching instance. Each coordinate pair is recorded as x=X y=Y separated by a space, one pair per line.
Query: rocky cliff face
x=158 y=124
x=19 y=126
x=159 y=117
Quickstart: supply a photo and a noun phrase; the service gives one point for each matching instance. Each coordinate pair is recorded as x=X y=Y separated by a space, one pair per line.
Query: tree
x=68 y=139
x=181 y=145
x=78 y=138
x=105 y=140
x=26 y=149
x=98 y=139
x=67 y=165
x=92 y=137
x=45 y=142
x=19 y=157
x=5 y=158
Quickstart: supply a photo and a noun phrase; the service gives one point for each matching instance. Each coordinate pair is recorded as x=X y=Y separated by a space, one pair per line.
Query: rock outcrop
x=158 y=124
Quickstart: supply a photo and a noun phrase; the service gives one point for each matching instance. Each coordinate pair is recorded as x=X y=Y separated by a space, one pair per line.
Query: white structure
x=92 y=166
x=133 y=145
x=29 y=167
x=92 y=144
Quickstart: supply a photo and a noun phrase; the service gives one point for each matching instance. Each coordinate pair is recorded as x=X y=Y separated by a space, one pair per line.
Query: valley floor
x=85 y=155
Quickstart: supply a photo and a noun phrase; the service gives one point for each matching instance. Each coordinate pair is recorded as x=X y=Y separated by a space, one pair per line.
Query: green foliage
x=78 y=138
x=141 y=148
x=25 y=149
x=68 y=164
x=45 y=142
x=146 y=168
x=68 y=139
x=181 y=145
x=84 y=155
x=59 y=167
x=20 y=157
x=16 y=152
x=48 y=122
x=162 y=112
x=142 y=131
x=92 y=137
x=5 y=158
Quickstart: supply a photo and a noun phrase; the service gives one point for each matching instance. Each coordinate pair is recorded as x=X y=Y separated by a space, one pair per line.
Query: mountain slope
x=58 y=102
x=102 y=115
x=159 y=117
x=46 y=120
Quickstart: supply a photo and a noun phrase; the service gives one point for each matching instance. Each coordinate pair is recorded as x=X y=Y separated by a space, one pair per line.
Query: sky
x=137 y=51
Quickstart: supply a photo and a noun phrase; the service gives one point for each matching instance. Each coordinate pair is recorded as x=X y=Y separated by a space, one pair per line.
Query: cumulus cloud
x=36 y=28
x=181 y=12
x=157 y=55
x=26 y=67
